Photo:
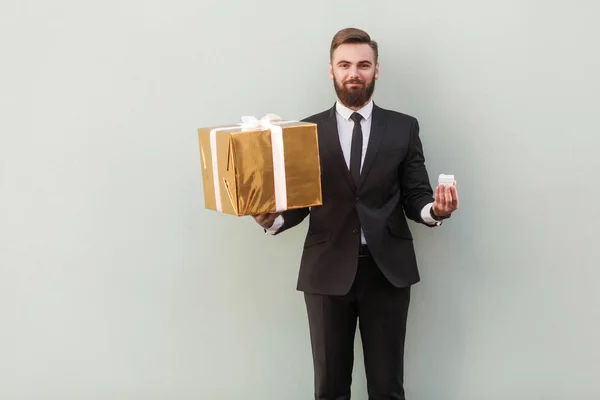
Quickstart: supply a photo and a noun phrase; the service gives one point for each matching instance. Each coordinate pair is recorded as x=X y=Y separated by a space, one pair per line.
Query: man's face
x=354 y=70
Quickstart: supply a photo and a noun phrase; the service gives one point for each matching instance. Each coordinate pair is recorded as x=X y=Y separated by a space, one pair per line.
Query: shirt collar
x=346 y=112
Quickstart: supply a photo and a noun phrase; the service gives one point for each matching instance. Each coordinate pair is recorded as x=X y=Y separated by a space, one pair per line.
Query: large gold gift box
x=260 y=166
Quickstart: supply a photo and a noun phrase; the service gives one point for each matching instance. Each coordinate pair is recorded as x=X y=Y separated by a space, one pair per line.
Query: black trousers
x=381 y=310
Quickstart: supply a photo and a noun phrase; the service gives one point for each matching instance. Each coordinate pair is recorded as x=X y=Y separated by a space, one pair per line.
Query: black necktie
x=356 y=149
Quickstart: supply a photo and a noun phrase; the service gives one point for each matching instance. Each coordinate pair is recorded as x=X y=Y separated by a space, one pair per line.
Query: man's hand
x=266 y=220
x=446 y=200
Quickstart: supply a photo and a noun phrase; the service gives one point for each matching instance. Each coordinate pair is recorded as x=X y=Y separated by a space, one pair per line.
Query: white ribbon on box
x=271 y=122
x=215 y=165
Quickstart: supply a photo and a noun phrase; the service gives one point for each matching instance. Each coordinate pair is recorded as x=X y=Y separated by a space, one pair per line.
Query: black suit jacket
x=394 y=184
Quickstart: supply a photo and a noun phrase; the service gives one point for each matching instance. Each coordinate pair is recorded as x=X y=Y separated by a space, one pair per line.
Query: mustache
x=353 y=81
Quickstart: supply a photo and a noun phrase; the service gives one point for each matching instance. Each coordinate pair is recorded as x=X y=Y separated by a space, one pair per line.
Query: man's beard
x=357 y=96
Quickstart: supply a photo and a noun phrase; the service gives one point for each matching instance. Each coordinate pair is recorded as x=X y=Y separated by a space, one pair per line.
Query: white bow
x=251 y=122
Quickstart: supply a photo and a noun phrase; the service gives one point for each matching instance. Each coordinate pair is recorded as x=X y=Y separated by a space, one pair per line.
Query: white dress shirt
x=345 y=126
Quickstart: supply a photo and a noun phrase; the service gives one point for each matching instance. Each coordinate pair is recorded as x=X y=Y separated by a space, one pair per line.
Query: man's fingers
x=454 y=198
x=450 y=195
x=447 y=197
x=266 y=219
x=270 y=217
x=442 y=197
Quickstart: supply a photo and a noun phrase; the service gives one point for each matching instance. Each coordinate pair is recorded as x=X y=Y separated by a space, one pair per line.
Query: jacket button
x=357 y=200
x=355 y=231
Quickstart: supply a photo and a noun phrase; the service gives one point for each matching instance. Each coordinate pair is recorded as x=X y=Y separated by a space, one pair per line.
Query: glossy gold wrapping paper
x=245 y=168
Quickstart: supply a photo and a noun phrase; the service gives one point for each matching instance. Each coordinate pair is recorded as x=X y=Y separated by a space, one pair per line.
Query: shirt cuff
x=426 y=216
x=277 y=223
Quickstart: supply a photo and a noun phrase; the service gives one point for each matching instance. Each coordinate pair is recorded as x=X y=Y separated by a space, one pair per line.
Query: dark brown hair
x=353 y=35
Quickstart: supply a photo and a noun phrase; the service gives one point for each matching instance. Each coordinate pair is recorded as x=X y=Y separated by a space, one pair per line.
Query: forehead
x=354 y=52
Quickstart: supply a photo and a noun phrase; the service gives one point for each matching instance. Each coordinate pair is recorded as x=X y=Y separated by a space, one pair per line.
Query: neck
x=355 y=108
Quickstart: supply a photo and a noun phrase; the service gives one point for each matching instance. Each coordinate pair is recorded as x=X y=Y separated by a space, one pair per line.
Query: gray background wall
x=115 y=283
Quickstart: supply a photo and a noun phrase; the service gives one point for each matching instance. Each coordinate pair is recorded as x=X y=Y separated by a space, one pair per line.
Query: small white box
x=446 y=179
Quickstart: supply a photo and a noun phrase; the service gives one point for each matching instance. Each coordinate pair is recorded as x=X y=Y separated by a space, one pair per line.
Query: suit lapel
x=332 y=141
x=375 y=138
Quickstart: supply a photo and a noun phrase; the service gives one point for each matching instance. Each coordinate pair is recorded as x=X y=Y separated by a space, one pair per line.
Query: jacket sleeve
x=414 y=180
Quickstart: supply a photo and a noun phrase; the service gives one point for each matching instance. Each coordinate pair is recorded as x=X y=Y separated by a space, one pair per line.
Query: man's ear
x=377 y=71
x=331 y=71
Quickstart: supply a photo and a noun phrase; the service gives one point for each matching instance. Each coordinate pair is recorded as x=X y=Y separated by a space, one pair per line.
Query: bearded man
x=358 y=261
